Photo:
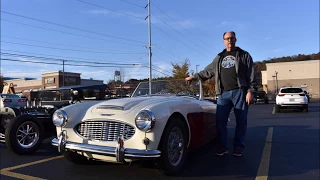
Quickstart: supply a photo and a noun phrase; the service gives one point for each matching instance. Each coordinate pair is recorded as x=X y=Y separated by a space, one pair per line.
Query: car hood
x=116 y=106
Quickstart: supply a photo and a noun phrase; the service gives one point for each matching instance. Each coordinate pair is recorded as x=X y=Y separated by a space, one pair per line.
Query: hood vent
x=111 y=107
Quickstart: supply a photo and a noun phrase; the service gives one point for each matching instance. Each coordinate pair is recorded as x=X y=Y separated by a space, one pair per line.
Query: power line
x=177 y=31
x=111 y=9
x=132 y=4
x=161 y=72
x=142 y=19
x=67 y=49
x=68 y=32
x=62 y=44
x=161 y=58
x=55 y=59
x=55 y=56
x=165 y=22
x=177 y=39
x=178 y=23
x=39 y=62
x=161 y=69
x=168 y=52
x=70 y=27
x=171 y=56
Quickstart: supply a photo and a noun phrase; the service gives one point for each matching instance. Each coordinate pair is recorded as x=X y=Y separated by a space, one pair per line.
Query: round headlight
x=59 y=118
x=145 y=120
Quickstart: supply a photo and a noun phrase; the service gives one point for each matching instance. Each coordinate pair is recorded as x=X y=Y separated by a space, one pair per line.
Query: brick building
x=52 y=80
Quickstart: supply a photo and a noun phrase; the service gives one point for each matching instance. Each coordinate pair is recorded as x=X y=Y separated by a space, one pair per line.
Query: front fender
x=77 y=112
x=163 y=112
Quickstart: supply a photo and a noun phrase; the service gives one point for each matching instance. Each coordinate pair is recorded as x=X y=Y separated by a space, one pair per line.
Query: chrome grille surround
x=98 y=130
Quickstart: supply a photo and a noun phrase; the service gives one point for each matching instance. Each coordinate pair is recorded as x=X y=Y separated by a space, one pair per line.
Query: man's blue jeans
x=235 y=99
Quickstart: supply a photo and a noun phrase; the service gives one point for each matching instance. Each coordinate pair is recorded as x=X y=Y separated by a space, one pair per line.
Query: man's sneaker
x=237 y=152
x=221 y=151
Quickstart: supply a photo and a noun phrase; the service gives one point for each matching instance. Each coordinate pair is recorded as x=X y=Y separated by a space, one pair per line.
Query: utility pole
x=149 y=47
x=63 y=72
x=276 y=76
x=277 y=81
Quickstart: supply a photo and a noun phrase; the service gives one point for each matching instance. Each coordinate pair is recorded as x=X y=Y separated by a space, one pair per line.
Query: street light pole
x=63 y=72
x=277 y=81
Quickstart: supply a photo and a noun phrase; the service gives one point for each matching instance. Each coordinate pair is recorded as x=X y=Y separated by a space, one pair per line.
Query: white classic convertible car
x=163 y=126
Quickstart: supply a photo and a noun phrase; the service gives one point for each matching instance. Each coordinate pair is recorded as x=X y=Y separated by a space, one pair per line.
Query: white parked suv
x=291 y=97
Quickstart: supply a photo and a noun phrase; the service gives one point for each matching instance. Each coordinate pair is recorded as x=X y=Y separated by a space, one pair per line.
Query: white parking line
x=6 y=171
x=265 y=160
x=18 y=175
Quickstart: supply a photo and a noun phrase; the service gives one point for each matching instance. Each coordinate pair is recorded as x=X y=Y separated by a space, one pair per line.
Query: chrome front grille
x=105 y=130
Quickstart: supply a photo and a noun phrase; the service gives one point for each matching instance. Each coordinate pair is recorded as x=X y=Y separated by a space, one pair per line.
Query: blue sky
x=180 y=30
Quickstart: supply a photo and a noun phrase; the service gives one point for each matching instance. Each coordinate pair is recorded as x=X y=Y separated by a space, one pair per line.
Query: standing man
x=234 y=73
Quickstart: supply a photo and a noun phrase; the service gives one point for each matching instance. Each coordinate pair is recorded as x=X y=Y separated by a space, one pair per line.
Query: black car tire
x=13 y=128
x=164 y=163
x=305 y=108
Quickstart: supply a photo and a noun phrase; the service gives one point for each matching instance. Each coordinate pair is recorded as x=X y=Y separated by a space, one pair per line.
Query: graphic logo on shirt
x=228 y=62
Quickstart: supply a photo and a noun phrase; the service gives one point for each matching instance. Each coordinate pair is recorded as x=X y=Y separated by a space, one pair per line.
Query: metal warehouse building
x=303 y=74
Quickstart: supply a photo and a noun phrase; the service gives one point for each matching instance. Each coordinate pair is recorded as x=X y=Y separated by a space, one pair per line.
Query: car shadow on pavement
x=295 y=150
x=286 y=157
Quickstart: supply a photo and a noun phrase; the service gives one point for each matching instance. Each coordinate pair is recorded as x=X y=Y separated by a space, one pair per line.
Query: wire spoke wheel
x=175 y=146
x=27 y=134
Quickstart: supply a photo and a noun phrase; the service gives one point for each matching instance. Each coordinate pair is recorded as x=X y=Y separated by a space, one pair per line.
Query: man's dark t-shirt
x=228 y=71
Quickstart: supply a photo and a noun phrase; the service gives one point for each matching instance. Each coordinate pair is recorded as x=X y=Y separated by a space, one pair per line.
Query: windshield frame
x=199 y=83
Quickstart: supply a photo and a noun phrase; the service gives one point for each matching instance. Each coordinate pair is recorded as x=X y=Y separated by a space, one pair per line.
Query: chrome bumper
x=119 y=152
x=2 y=138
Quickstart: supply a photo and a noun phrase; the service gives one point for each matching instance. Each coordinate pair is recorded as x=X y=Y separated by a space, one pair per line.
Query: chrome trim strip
x=112 y=107
x=108 y=151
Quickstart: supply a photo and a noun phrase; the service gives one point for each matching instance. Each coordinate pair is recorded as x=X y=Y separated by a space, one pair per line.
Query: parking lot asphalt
x=278 y=146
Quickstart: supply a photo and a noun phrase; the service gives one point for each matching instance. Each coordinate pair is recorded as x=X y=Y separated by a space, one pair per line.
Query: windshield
x=259 y=93
x=9 y=96
x=291 y=90
x=168 y=87
x=54 y=95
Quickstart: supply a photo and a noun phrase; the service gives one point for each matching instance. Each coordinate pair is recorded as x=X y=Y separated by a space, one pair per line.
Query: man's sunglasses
x=230 y=38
